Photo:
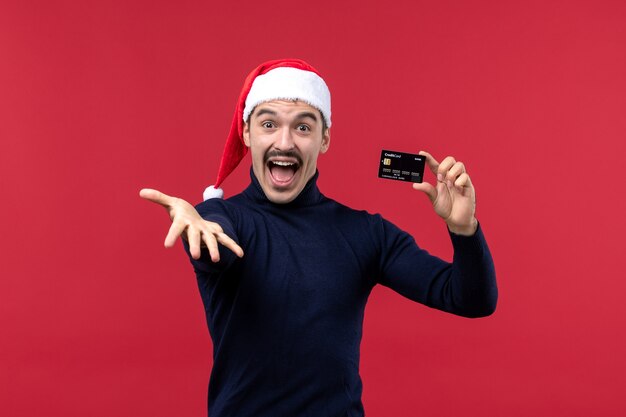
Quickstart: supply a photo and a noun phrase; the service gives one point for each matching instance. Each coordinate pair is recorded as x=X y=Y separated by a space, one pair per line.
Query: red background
x=100 y=99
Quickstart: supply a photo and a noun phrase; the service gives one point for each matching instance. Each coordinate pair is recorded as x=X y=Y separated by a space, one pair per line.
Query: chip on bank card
x=401 y=166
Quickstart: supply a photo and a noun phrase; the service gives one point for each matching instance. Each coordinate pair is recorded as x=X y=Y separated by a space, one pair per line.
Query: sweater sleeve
x=465 y=287
x=215 y=210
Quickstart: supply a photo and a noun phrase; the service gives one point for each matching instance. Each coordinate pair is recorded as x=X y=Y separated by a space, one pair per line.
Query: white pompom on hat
x=281 y=79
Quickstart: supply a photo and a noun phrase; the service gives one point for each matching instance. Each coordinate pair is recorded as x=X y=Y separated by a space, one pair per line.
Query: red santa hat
x=281 y=79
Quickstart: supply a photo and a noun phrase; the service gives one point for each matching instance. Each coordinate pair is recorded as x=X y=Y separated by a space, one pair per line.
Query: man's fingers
x=176 y=229
x=463 y=181
x=444 y=167
x=225 y=240
x=427 y=189
x=453 y=173
x=432 y=163
x=211 y=244
x=156 y=197
x=193 y=238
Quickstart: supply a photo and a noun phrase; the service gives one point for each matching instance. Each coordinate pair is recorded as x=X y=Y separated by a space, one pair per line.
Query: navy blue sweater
x=286 y=319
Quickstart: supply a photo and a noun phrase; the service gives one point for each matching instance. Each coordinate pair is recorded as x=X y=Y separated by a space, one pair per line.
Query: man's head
x=283 y=116
x=285 y=138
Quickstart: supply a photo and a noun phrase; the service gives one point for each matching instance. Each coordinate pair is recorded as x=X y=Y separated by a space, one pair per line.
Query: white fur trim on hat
x=212 y=192
x=286 y=83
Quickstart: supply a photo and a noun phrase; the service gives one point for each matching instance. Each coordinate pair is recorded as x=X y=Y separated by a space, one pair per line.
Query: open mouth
x=282 y=170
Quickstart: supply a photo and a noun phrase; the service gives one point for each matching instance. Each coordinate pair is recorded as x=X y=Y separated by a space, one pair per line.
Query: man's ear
x=325 y=140
x=246 y=134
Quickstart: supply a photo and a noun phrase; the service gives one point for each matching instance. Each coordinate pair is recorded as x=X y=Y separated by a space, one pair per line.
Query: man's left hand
x=454 y=197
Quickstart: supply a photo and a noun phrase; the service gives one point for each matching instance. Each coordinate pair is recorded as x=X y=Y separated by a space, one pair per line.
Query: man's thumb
x=155 y=196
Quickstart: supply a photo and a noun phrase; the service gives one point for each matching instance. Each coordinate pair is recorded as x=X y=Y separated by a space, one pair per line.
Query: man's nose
x=285 y=139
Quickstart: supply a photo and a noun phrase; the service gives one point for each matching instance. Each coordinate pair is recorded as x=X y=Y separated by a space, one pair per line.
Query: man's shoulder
x=220 y=202
x=342 y=209
x=217 y=207
x=237 y=207
x=375 y=222
x=210 y=204
x=240 y=203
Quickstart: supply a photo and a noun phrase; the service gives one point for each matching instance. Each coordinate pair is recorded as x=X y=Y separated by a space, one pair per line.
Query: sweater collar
x=309 y=195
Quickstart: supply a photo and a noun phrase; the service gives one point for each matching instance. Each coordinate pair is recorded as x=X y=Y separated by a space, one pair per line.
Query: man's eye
x=268 y=125
x=304 y=128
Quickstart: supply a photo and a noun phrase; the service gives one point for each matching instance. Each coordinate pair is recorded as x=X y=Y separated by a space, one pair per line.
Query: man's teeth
x=283 y=163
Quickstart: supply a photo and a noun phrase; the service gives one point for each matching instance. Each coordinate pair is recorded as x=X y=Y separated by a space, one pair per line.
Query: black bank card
x=401 y=166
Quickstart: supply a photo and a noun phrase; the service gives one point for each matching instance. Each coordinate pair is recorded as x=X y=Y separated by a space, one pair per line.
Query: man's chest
x=304 y=260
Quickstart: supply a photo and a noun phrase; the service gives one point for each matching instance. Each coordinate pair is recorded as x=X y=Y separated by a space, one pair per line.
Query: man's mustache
x=285 y=154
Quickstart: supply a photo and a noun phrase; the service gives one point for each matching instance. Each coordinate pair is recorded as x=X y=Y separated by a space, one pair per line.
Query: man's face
x=285 y=139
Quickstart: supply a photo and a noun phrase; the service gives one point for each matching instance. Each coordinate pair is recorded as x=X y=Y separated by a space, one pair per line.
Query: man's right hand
x=187 y=223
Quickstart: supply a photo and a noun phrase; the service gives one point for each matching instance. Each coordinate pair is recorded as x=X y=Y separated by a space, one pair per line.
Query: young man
x=286 y=318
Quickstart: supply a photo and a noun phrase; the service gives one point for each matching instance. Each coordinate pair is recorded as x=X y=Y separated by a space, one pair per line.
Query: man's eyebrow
x=307 y=114
x=302 y=115
x=265 y=111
